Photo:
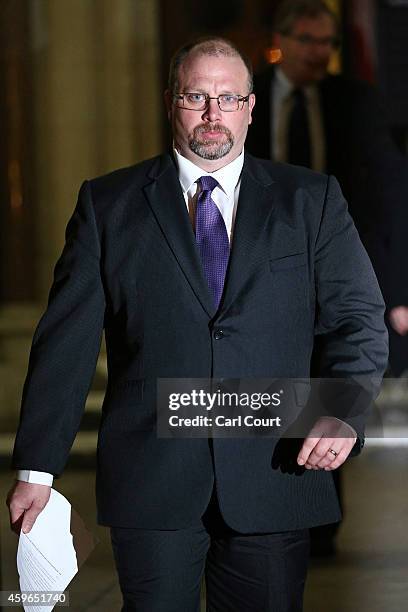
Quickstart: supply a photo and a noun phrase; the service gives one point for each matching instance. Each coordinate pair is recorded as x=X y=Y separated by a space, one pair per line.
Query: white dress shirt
x=225 y=195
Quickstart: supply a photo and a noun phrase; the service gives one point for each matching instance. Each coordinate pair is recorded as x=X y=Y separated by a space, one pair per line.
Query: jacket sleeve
x=65 y=349
x=350 y=334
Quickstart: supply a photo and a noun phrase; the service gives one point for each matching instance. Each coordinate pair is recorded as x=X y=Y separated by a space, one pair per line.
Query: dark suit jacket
x=372 y=174
x=130 y=265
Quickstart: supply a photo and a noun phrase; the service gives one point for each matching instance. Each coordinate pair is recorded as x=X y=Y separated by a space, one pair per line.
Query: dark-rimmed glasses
x=307 y=40
x=199 y=101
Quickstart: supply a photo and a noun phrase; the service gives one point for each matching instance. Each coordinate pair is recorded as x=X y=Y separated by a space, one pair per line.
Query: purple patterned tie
x=212 y=238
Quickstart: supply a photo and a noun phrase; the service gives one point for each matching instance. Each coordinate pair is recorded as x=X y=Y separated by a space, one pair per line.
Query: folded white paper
x=48 y=557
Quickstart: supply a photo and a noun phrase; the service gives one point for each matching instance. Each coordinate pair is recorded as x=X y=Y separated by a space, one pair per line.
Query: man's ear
x=168 y=100
x=251 y=104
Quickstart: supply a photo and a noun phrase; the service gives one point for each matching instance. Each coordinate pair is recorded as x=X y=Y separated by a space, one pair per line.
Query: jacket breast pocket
x=290 y=285
x=125 y=408
x=288 y=262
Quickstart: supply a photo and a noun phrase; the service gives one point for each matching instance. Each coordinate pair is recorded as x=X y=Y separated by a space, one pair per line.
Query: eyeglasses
x=227 y=103
x=308 y=41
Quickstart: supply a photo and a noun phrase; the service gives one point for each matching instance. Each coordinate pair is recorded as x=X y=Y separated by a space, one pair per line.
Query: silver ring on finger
x=333 y=452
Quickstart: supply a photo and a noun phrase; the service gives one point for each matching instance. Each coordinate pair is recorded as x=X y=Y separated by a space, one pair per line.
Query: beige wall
x=97 y=106
x=97 y=102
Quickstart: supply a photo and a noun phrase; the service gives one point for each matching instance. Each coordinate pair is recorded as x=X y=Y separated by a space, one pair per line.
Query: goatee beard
x=208 y=149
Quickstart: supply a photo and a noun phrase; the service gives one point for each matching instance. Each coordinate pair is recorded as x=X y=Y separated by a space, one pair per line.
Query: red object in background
x=362 y=22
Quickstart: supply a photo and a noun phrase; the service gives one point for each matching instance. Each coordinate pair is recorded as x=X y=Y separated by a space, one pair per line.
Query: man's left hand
x=328 y=445
x=399 y=319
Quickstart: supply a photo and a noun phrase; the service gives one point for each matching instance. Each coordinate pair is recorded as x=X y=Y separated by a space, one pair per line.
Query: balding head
x=212 y=47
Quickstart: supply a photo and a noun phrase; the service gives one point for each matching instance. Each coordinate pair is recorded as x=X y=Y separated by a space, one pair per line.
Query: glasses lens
x=228 y=102
x=309 y=41
x=195 y=101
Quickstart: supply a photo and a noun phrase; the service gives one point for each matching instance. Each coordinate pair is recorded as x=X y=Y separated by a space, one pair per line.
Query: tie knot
x=208 y=183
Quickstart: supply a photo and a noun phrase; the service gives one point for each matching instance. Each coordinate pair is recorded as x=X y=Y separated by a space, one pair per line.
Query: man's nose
x=212 y=111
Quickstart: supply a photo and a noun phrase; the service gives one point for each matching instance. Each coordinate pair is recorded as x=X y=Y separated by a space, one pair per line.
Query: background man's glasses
x=309 y=41
x=199 y=101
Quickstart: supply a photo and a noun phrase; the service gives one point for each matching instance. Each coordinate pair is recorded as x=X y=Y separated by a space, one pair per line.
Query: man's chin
x=315 y=74
x=211 y=150
x=211 y=154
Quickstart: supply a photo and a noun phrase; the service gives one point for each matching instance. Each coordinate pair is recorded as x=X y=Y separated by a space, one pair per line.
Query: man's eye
x=195 y=97
x=228 y=98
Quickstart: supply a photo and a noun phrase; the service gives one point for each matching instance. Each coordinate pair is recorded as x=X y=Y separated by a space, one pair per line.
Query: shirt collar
x=227 y=176
x=284 y=84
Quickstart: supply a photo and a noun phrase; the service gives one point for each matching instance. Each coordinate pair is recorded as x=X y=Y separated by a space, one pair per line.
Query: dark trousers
x=161 y=571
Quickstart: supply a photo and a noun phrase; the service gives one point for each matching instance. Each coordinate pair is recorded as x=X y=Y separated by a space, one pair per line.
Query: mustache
x=211 y=127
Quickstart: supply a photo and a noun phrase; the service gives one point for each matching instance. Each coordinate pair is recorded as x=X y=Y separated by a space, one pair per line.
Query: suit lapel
x=249 y=242
x=254 y=209
x=167 y=203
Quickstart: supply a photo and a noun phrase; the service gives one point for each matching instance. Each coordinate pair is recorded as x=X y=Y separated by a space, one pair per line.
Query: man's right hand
x=25 y=502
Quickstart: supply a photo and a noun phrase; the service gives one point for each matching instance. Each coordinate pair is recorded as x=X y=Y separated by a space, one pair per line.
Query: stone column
x=96 y=102
x=96 y=106
x=128 y=64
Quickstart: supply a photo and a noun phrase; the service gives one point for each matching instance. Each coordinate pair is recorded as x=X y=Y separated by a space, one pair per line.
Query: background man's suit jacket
x=130 y=265
x=372 y=174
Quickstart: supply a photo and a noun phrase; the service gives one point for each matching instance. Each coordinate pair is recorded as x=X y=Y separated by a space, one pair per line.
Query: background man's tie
x=212 y=238
x=298 y=131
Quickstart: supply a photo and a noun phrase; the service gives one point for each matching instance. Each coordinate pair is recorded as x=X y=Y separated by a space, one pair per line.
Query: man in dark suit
x=337 y=125
x=202 y=263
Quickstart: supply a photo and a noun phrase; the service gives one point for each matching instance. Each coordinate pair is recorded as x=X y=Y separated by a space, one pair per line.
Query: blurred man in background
x=332 y=124
x=336 y=125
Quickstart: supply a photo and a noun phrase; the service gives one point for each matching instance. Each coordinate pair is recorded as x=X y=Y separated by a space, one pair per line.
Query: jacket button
x=218 y=334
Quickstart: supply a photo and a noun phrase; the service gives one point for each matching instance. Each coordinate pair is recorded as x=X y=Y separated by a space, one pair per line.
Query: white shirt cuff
x=34 y=477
